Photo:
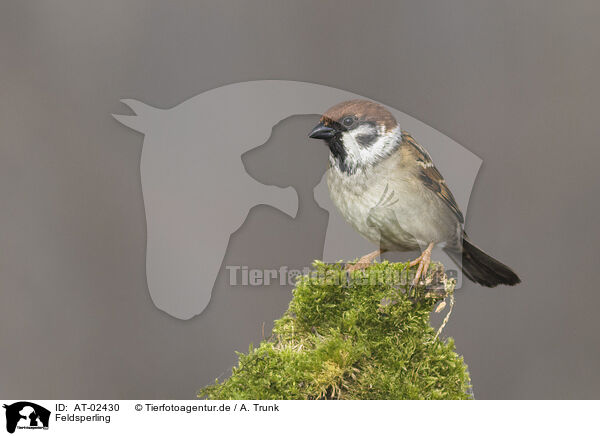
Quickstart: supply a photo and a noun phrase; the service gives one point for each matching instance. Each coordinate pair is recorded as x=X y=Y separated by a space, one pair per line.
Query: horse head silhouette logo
x=197 y=192
x=25 y=414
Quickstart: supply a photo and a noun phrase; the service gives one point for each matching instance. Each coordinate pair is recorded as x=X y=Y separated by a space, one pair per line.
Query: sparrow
x=386 y=186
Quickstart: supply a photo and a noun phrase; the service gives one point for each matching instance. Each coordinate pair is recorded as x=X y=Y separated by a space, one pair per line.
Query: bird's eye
x=348 y=121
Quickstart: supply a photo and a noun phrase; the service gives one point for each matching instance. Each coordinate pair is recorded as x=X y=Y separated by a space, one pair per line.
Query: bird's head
x=359 y=134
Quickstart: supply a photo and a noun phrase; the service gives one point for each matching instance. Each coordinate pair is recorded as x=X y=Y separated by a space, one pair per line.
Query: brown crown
x=364 y=110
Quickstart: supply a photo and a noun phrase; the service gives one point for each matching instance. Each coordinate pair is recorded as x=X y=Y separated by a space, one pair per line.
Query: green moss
x=364 y=338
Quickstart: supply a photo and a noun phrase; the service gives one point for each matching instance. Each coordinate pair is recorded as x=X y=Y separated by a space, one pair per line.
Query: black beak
x=321 y=131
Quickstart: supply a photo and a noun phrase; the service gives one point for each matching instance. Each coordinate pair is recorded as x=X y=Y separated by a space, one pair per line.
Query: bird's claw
x=423 y=261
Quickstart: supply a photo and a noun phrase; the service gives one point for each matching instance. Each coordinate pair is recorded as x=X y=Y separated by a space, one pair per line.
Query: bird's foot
x=423 y=261
x=364 y=261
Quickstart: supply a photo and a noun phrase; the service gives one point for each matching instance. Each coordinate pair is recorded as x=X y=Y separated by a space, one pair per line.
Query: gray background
x=513 y=81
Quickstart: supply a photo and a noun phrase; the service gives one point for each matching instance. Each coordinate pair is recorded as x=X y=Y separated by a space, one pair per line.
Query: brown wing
x=430 y=176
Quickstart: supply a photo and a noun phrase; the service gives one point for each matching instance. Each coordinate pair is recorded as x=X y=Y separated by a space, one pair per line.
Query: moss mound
x=364 y=335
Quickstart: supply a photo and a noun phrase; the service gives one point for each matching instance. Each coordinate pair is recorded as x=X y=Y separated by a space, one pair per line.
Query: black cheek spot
x=366 y=140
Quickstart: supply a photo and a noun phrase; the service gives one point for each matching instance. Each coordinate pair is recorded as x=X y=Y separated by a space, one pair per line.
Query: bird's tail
x=480 y=267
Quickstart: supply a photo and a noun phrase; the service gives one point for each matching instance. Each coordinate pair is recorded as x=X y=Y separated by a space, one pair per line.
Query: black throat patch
x=339 y=153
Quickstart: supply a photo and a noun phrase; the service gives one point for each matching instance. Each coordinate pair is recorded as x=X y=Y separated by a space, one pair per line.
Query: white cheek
x=353 y=148
x=360 y=156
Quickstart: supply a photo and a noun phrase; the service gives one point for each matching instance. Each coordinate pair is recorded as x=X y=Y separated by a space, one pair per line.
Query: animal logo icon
x=197 y=192
x=27 y=415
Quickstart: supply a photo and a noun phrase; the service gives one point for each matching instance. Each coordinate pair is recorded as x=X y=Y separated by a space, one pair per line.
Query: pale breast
x=354 y=199
x=391 y=209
